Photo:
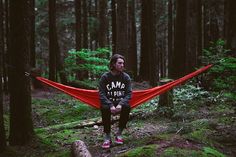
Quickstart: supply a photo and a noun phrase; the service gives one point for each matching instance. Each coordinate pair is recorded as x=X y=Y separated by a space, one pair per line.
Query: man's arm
x=103 y=98
x=128 y=92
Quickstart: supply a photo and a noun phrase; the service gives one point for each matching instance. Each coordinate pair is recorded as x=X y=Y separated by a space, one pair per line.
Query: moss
x=200 y=136
x=61 y=110
x=178 y=152
x=145 y=151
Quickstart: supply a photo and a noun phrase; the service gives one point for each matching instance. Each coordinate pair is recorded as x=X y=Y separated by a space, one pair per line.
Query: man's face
x=119 y=65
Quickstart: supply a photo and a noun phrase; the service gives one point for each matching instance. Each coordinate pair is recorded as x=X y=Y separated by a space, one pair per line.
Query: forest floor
x=202 y=126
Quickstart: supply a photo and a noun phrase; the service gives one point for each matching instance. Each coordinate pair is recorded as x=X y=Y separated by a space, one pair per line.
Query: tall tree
x=144 y=72
x=231 y=25
x=85 y=24
x=102 y=23
x=54 y=48
x=153 y=55
x=121 y=28
x=21 y=125
x=132 y=39
x=32 y=37
x=193 y=33
x=5 y=55
x=78 y=26
x=170 y=33
x=148 y=67
x=113 y=15
x=2 y=129
x=53 y=43
x=177 y=68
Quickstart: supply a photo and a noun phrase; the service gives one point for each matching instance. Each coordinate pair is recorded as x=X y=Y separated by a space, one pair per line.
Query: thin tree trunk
x=32 y=38
x=170 y=35
x=2 y=129
x=78 y=26
x=5 y=55
x=231 y=26
x=132 y=49
x=113 y=6
x=85 y=25
x=179 y=55
x=102 y=23
x=21 y=125
x=144 y=59
x=52 y=41
x=121 y=29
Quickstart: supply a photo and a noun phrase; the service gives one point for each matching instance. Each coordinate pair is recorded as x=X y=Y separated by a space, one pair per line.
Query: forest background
x=71 y=42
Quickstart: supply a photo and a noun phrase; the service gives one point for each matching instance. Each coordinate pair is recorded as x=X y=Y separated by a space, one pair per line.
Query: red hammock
x=91 y=97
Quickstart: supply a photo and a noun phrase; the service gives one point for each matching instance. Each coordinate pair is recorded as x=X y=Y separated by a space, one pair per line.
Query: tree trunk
x=102 y=23
x=231 y=25
x=121 y=29
x=132 y=39
x=78 y=26
x=192 y=44
x=2 y=129
x=144 y=73
x=32 y=37
x=179 y=55
x=170 y=34
x=113 y=14
x=149 y=60
x=52 y=40
x=153 y=55
x=85 y=25
x=79 y=149
x=21 y=125
x=5 y=55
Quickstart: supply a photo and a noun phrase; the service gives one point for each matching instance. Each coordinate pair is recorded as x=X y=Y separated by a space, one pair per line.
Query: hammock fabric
x=91 y=97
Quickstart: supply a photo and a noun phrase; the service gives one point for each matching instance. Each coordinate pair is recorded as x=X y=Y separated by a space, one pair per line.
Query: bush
x=222 y=76
x=93 y=62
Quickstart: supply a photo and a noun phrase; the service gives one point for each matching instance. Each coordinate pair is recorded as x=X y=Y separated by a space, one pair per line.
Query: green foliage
x=94 y=62
x=145 y=151
x=222 y=76
x=172 y=151
x=213 y=152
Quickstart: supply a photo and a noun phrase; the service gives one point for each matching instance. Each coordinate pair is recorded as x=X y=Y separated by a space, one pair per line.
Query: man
x=115 y=93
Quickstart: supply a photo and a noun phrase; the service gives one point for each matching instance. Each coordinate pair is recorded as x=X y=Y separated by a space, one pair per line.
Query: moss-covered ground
x=201 y=126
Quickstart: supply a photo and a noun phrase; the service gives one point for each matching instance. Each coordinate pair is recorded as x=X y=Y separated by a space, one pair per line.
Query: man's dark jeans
x=106 y=117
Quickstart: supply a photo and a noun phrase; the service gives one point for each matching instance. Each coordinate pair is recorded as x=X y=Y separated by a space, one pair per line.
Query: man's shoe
x=119 y=140
x=106 y=144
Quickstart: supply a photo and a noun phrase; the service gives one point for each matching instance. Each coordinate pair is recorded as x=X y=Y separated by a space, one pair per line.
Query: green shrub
x=93 y=62
x=222 y=76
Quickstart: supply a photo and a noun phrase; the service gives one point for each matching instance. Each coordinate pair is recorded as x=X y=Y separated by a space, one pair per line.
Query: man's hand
x=113 y=110
x=118 y=108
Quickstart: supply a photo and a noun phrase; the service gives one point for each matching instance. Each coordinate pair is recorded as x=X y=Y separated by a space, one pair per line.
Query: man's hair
x=114 y=59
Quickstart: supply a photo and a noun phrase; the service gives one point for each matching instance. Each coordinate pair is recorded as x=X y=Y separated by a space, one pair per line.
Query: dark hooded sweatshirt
x=114 y=89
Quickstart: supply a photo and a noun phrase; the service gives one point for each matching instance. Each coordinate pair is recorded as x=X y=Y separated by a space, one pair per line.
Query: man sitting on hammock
x=115 y=93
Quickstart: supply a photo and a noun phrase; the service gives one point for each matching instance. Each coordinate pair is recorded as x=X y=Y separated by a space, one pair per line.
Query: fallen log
x=79 y=149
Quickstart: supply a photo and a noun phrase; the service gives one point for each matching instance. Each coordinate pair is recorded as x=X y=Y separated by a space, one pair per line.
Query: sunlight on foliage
x=94 y=62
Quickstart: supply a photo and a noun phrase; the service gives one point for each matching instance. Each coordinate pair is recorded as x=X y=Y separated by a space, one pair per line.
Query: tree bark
x=178 y=68
x=2 y=129
x=52 y=40
x=121 y=29
x=144 y=73
x=21 y=125
x=102 y=23
x=231 y=24
x=113 y=15
x=78 y=26
x=79 y=149
x=85 y=25
x=32 y=37
x=132 y=38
